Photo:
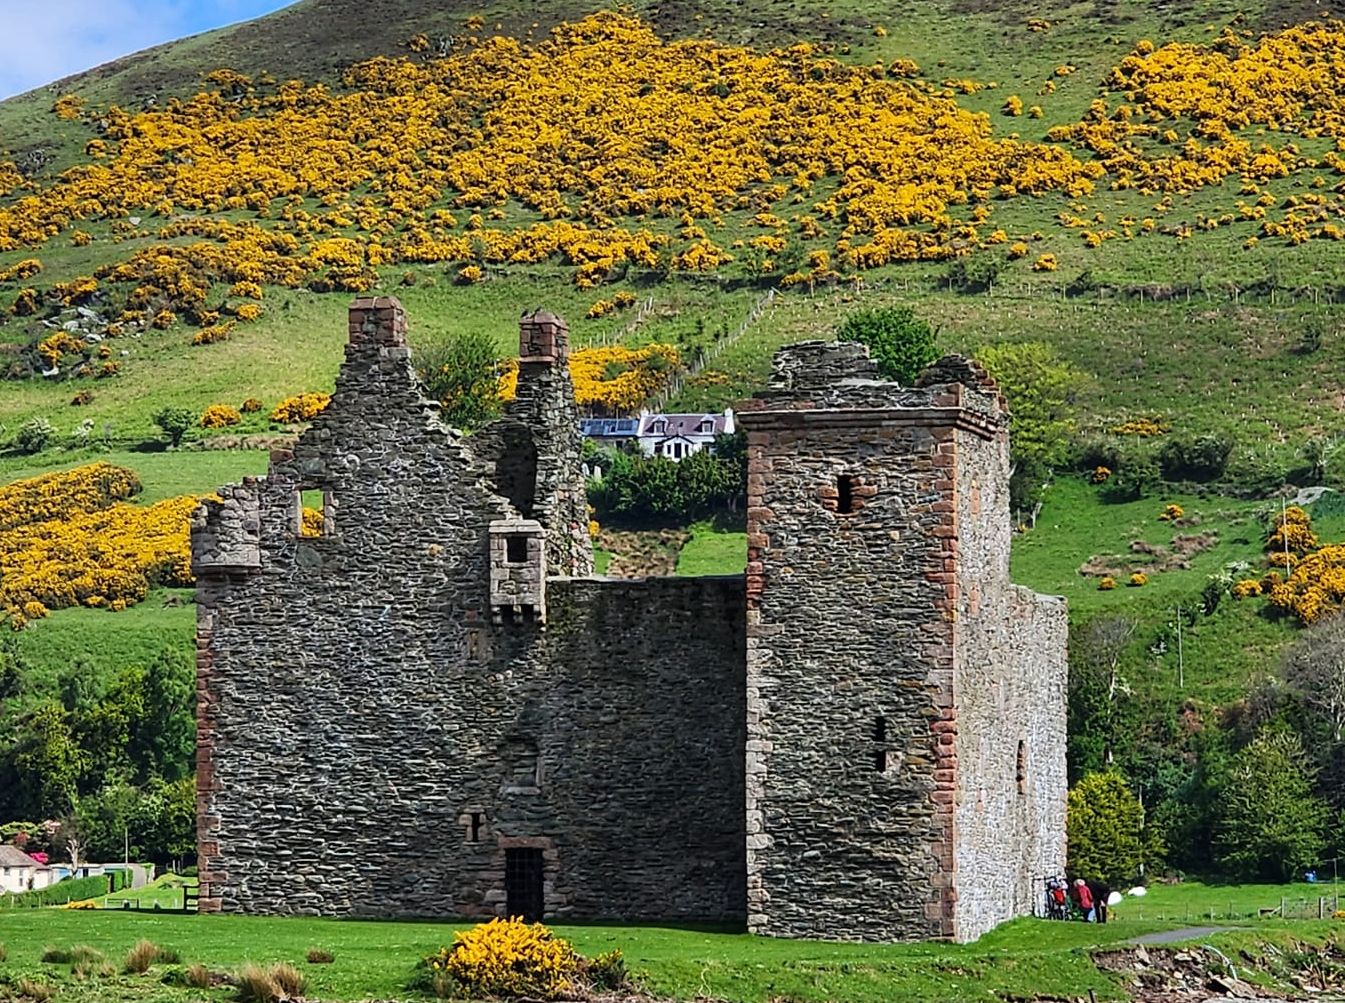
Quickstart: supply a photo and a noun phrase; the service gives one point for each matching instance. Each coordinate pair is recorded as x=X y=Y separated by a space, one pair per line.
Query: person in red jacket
x=1083 y=898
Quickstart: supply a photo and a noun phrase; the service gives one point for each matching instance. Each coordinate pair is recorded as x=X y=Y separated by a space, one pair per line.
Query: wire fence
x=705 y=356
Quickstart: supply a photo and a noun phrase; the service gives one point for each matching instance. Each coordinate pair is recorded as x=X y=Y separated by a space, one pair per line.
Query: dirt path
x=1175 y=936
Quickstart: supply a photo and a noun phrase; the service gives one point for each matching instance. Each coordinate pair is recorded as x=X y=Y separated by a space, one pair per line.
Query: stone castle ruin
x=435 y=709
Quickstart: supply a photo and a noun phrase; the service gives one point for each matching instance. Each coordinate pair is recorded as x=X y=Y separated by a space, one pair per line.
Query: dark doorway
x=523 y=884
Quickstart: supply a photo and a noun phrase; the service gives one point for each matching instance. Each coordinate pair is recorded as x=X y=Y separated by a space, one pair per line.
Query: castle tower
x=905 y=704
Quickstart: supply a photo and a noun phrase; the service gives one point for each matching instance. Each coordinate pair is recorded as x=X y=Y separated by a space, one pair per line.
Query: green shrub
x=176 y=422
x=1203 y=458
x=898 y=341
x=33 y=435
x=607 y=972
x=1106 y=829
x=1138 y=477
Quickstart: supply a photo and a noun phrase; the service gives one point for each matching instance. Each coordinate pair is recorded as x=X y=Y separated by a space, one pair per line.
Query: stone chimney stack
x=543 y=337
x=377 y=320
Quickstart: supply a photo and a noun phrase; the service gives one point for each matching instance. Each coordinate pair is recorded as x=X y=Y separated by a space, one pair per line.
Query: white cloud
x=44 y=40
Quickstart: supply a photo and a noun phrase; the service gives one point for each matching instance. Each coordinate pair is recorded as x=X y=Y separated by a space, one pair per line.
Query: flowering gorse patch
x=504 y=958
x=70 y=539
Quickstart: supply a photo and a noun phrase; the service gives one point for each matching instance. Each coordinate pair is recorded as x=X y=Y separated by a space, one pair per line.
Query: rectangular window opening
x=1022 y=767
x=313 y=512
x=516 y=549
x=845 y=494
x=475 y=835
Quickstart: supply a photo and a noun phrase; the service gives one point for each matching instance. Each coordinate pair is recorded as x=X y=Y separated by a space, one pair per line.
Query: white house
x=20 y=872
x=679 y=435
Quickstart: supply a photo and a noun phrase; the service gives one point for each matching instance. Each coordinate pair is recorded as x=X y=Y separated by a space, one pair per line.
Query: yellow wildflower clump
x=302 y=407
x=1106 y=584
x=251 y=406
x=1101 y=474
x=247 y=311
x=1018 y=249
x=1315 y=586
x=1171 y=513
x=1246 y=588
x=1144 y=428
x=1013 y=105
x=505 y=958
x=1138 y=579
x=71 y=538
x=1291 y=533
x=1045 y=263
x=220 y=416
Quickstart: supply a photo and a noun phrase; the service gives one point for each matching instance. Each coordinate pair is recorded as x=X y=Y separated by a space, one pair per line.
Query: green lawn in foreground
x=1026 y=958
x=375 y=959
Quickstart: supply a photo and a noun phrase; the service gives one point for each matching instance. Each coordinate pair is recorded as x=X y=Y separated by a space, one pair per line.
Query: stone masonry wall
x=1010 y=691
x=372 y=742
x=849 y=666
x=890 y=663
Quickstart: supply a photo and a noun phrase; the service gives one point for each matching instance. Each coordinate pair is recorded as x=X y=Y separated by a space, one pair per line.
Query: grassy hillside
x=1157 y=195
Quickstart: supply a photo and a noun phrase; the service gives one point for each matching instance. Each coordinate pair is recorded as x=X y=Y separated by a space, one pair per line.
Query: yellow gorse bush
x=52 y=496
x=611 y=378
x=1291 y=533
x=508 y=958
x=302 y=407
x=70 y=538
x=1315 y=586
x=220 y=416
x=580 y=128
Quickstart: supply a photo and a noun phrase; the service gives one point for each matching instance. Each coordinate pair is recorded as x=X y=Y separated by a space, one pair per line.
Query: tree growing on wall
x=898 y=341
x=462 y=374
x=1105 y=825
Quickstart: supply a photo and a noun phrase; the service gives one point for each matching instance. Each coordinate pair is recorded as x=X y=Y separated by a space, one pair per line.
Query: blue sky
x=44 y=40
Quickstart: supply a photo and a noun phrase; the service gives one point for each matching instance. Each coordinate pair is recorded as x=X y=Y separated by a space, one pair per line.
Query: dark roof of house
x=609 y=427
x=12 y=856
x=682 y=424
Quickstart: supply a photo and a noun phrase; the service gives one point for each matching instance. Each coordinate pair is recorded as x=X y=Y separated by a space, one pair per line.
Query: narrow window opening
x=1022 y=767
x=516 y=549
x=475 y=836
x=880 y=739
x=845 y=494
x=313 y=513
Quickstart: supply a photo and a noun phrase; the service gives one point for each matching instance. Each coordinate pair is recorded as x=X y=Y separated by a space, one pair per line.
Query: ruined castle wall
x=1010 y=721
x=374 y=738
x=646 y=735
x=849 y=673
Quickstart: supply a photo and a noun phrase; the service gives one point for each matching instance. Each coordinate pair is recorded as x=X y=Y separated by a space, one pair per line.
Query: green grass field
x=1023 y=959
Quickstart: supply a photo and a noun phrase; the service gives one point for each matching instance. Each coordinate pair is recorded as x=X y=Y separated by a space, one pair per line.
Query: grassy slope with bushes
x=1024 y=959
x=1242 y=343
